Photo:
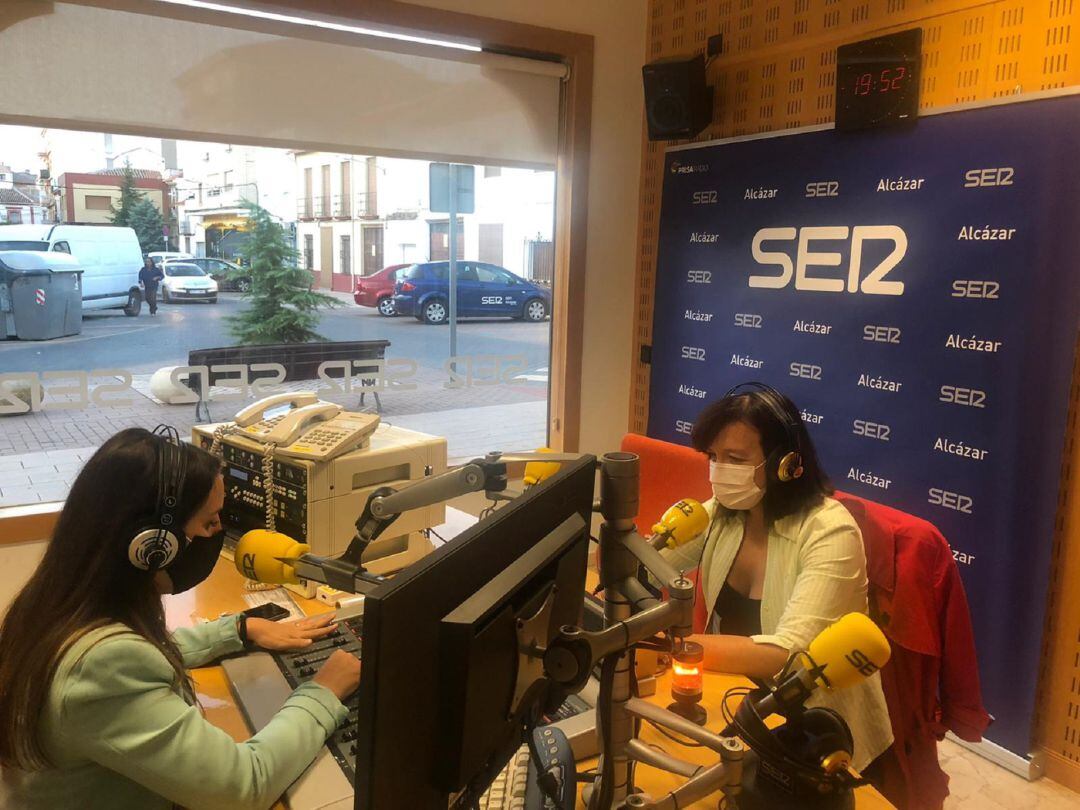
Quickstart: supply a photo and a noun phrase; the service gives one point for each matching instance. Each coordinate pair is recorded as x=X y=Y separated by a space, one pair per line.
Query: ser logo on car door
x=497 y=300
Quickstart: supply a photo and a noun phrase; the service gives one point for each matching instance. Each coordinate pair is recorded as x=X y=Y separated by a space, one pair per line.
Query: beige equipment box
x=318 y=502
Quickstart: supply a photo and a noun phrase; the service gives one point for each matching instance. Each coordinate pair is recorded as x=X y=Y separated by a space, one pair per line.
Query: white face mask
x=734 y=486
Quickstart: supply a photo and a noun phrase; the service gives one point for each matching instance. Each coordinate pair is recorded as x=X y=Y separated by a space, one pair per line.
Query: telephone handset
x=254 y=413
x=310 y=429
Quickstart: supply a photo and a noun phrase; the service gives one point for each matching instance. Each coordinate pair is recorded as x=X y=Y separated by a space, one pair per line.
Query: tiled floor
x=978 y=784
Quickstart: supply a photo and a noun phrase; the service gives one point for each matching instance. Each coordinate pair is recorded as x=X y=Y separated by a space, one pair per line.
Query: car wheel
x=435 y=312
x=386 y=307
x=134 y=305
x=244 y=285
x=213 y=300
x=535 y=309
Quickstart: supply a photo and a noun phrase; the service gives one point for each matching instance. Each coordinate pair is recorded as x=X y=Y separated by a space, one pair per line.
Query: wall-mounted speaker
x=678 y=103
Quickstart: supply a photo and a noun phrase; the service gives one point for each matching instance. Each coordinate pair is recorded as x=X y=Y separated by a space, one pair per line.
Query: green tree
x=282 y=306
x=147 y=223
x=129 y=197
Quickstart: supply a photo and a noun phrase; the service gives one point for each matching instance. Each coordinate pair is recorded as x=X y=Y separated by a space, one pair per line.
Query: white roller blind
x=111 y=70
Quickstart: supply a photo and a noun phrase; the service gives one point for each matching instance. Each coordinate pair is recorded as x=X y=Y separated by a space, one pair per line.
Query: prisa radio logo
x=870 y=280
x=688 y=168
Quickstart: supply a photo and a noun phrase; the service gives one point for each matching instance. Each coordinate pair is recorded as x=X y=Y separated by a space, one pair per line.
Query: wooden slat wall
x=777 y=71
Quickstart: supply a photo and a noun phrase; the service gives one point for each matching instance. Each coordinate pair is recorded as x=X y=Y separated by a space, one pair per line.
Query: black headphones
x=157 y=544
x=788 y=459
x=814 y=747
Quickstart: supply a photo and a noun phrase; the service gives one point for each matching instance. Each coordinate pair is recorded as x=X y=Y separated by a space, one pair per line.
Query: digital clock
x=877 y=81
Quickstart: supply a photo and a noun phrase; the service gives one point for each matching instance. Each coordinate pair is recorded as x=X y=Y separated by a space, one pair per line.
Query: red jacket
x=931 y=682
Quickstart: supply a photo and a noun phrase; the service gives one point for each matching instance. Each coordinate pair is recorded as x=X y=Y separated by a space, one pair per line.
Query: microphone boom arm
x=384 y=506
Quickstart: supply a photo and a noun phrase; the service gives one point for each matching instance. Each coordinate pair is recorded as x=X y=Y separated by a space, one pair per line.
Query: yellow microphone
x=849 y=651
x=257 y=554
x=537 y=471
x=680 y=524
x=845 y=653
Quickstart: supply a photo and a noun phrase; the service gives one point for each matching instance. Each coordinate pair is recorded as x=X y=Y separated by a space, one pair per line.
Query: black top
x=151 y=276
x=737 y=615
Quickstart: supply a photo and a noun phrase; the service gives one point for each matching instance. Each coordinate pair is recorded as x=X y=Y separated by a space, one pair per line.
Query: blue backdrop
x=916 y=293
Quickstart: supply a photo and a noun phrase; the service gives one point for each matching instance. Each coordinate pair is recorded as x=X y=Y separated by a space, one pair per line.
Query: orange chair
x=669 y=473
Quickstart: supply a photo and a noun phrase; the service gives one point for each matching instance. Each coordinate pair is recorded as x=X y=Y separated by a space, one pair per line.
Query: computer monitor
x=441 y=703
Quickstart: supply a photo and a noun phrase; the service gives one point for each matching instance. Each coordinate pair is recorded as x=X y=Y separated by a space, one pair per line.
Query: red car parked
x=377 y=290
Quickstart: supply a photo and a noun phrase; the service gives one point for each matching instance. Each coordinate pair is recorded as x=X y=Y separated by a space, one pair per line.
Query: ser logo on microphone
x=861 y=663
x=248 y=564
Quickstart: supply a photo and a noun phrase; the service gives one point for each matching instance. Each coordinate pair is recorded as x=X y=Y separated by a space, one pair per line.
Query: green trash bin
x=40 y=295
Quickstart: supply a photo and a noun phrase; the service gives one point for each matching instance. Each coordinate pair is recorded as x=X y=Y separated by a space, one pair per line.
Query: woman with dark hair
x=96 y=707
x=781 y=560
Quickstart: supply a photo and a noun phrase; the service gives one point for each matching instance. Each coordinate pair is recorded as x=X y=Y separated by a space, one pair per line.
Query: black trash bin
x=40 y=295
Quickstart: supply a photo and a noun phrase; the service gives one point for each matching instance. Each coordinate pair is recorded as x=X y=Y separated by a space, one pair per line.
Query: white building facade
x=213 y=184
x=358 y=214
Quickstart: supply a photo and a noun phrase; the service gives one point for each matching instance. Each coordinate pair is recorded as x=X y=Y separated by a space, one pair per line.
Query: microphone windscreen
x=537 y=471
x=682 y=522
x=257 y=552
x=850 y=650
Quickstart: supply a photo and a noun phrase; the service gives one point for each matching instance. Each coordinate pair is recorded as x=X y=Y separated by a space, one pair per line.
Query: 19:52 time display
x=889 y=80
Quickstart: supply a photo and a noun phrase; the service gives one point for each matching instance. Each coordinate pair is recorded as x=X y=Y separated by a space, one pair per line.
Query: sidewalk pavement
x=46 y=475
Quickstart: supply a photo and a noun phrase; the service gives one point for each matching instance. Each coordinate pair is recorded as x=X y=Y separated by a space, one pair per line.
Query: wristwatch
x=241 y=630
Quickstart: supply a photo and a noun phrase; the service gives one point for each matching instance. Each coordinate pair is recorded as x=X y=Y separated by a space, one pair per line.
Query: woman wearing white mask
x=781 y=560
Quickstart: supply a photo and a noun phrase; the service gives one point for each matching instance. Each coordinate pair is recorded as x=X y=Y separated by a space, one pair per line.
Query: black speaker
x=678 y=103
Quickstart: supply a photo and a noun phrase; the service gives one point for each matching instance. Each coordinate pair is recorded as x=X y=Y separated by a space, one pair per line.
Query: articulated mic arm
x=571 y=656
x=384 y=506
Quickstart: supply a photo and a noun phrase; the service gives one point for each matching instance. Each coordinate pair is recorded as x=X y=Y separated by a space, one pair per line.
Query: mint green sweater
x=122 y=737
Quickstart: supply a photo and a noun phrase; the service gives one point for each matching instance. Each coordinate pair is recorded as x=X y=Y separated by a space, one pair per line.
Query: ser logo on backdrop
x=988 y=178
x=826 y=188
x=699 y=277
x=957 y=395
x=693 y=353
x=972 y=288
x=684 y=427
x=703 y=198
x=804 y=371
x=871 y=430
x=870 y=281
x=951 y=500
x=748 y=320
x=881 y=334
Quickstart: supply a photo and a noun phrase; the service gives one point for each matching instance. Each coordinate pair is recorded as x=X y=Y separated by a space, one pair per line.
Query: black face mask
x=195 y=562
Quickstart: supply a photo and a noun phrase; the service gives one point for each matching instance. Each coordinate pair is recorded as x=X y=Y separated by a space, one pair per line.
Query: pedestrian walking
x=149 y=277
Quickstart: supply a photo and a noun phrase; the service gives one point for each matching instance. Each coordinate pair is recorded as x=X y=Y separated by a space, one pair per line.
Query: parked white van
x=110 y=258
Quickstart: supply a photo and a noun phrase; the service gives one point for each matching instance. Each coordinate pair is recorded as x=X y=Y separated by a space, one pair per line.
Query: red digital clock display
x=887 y=81
x=877 y=81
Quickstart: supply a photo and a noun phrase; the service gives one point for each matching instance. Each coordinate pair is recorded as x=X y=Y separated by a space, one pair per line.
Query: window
x=229 y=179
x=62 y=247
x=492 y=171
x=492 y=276
x=309 y=251
x=14 y=216
x=98 y=202
x=346 y=255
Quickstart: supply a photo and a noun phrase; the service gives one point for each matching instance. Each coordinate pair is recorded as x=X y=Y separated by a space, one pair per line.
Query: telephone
x=310 y=429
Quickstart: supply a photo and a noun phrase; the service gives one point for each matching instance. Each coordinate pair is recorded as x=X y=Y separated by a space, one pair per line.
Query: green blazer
x=121 y=736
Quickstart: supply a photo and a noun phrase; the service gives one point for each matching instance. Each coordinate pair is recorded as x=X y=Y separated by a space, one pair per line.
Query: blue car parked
x=484 y=290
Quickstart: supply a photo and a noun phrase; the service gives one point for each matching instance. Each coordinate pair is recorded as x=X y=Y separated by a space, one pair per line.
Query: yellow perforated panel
x=777 y=71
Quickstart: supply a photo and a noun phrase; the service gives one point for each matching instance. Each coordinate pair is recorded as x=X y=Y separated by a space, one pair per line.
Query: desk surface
x=223 y=592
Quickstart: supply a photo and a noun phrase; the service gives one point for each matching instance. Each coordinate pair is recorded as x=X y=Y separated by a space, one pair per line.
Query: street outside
x=41 y=452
